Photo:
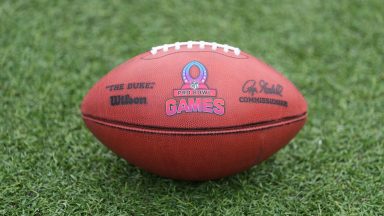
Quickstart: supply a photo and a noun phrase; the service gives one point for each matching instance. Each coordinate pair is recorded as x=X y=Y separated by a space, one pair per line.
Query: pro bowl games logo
x=194 y=96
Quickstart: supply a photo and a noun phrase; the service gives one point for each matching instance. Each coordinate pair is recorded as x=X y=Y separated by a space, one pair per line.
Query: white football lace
x=202 y=44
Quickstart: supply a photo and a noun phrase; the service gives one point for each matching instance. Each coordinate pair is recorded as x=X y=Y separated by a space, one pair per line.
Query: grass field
x=52 y=52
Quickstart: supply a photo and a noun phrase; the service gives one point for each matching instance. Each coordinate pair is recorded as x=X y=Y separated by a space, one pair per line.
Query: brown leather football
x=194 y=110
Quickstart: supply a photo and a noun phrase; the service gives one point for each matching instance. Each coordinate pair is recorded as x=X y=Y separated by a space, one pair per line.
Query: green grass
x=52 y=52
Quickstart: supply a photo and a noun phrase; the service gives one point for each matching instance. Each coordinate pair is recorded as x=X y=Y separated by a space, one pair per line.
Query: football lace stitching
x=202 y=45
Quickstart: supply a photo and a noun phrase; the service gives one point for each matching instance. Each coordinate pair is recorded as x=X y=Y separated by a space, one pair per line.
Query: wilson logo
x=127 y=100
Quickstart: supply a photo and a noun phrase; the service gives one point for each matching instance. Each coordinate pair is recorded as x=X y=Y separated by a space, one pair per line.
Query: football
x=194 y=110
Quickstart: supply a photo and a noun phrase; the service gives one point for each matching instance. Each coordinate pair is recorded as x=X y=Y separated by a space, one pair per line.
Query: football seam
x=197 y=131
